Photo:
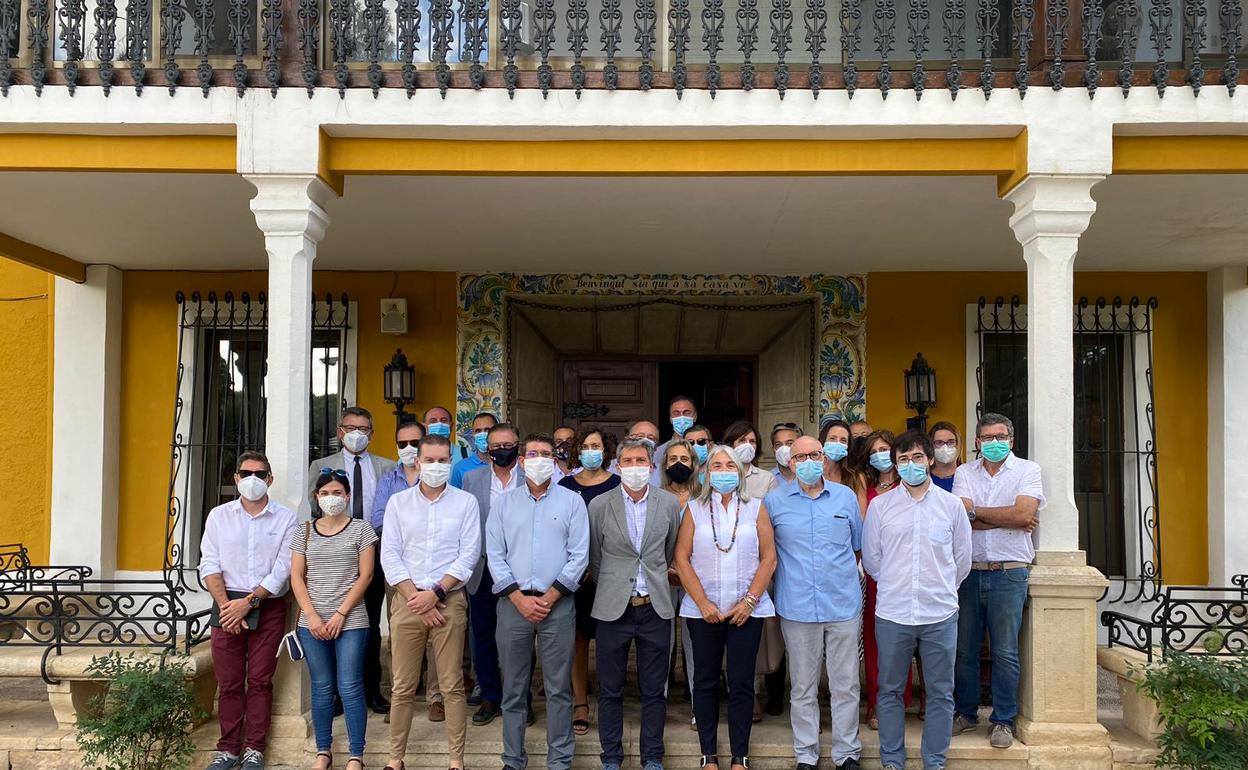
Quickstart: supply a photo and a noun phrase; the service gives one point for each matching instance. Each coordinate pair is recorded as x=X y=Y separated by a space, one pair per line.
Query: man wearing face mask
x=430 y=544
x=818 y=530
x=438 y=423
x=683 y=415
x=486 y=485
x=1003 y=495
x=364 y=471
x=537 y=545
x=480 y=457
x=783 y=435
x=564 y=438
x=631 y=542
x=245 y=564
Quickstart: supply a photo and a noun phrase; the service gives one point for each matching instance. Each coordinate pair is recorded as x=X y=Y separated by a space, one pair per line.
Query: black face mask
x=503 y=458
x=679 y=473
x=561 y=451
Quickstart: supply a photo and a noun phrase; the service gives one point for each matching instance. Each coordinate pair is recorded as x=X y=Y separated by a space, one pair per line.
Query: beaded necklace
x=736 y=520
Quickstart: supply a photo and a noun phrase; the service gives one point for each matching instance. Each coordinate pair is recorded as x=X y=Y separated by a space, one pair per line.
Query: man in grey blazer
x=486 y=484
x=632 y=536
x=364 y=470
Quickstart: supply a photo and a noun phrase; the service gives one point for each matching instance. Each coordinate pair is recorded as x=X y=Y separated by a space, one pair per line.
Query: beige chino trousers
x=408 y=639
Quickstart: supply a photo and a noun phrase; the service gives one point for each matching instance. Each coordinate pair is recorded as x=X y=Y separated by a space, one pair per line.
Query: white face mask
x=946 y=454
x=784 y=453
x=539 y=469
x=332 y=505
x=408 y=455
x=744 y=453
x=434 y=475
x=253 y=488
x=635 y=477
x=356 y=441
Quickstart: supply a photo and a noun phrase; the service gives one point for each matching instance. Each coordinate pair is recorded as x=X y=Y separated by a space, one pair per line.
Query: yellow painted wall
x=149 y=364
x=26 y=406
x=896 y=330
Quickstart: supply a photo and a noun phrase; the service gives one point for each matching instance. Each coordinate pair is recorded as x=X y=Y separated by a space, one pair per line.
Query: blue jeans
x=339 y=663
x=897 y=644
x=991 y=601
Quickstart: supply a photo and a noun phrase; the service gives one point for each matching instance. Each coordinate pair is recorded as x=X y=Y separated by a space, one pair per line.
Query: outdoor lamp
x=399 y=384
x=920 y=391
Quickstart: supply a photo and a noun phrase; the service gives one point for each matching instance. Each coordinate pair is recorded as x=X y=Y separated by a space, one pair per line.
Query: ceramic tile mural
x=481 y=382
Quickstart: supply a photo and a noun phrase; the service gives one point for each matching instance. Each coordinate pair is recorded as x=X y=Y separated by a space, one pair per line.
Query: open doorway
x=723 y=391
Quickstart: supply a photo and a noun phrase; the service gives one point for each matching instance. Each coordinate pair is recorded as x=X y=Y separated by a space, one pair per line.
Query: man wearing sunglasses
x=364 y=470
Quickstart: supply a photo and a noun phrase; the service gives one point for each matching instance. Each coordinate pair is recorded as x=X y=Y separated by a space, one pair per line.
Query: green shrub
x=143 y=720
x=1202 y=702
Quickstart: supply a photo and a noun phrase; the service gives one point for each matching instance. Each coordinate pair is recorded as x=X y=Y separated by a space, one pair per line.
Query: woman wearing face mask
x=743 y=438
x=837 y=467
x=947 y=440
x=725 y=555
x=330 y=568
x=678 y=477
x=592 y=452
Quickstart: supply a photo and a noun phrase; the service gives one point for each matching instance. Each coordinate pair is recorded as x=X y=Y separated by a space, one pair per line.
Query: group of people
x=859 y=547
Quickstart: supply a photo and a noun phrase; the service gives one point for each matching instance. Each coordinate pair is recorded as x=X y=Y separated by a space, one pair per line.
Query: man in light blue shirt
x=480 y=457
x=537 y=548
x=818 y=529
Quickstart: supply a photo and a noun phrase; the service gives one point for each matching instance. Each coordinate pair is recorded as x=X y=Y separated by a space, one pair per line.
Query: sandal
x=708 y=759
x=581 y=726
x=361 y=761
x=328 y=756
x=741 y=762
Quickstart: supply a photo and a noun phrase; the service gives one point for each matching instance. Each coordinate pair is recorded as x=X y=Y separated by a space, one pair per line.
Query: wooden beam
x=40 y=258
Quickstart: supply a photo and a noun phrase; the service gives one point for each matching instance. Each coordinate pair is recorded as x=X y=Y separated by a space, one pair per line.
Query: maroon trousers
x=244 y=665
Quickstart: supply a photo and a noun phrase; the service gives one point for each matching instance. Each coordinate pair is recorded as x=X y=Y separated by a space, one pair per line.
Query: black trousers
x=653 y=636
x=710 y=641
x=373 y=598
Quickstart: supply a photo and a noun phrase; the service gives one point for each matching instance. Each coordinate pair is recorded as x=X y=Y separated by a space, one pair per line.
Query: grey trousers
x=555 y=637
x=810 y=646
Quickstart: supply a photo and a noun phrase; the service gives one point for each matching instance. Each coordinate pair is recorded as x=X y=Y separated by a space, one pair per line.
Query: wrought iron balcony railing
x=622 y=44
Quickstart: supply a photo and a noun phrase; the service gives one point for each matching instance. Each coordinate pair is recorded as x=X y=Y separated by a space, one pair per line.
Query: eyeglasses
x=406 y=444
x=337 y=473
x=361 y=428
x=917 y=457
x=808 y=456
x=942 y=444
x=540 y=453
x=996 y=437
x=504 y=445
x=260 y=474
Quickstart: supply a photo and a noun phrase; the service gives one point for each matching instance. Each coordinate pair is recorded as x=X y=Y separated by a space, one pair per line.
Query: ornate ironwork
x=1092 y=18
x=885 y=18
x=374 y=19
x=644 y=20
x=678 y=30
x=105 y=17
x=1195 y=17
x=138 y=40
x=611 y=19
x=271 y=42
x=442 y=24
x=851 y=39
x=1196 y=620
x=816 y=20
x=918 y=21
x=10 y=22
x=38 y=17
x=1230 y=14
x=342 y=40
x=1056 y=29
x=781 y=38
x=953 y=22
x=1024 y=30
x=578 y=38
x=171 y=18
x=1126 y=35
x=407 y=22
x=747 y=40
x=71 y=18
x=712 y=40
x=240 y=37
x=475 y=19
x=205 y=34
x=987 y=17
x=309 y=18
x=510 y=18
x=544 y=20
x=1159 y=32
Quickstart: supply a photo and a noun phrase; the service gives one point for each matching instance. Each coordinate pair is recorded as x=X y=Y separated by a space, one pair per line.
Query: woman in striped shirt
x=330 y=568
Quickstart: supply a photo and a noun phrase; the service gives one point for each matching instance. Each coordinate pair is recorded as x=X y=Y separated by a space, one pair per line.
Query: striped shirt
x=333 y=567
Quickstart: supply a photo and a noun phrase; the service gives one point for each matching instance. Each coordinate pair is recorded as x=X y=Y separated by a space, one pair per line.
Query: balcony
x=776 y=45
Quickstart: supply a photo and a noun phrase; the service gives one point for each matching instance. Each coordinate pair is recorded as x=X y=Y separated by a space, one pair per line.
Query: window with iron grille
x=220 y=407
x=1115 y=434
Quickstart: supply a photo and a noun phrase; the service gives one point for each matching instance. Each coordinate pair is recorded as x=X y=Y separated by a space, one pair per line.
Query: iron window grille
x=1115 y=450
x=219 y=407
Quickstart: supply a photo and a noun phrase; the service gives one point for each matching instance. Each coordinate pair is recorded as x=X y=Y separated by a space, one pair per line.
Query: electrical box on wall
x=394 y=316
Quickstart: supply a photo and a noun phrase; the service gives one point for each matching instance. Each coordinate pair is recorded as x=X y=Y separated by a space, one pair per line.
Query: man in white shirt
x=916 y=543
x=1003 y=494
x=245 y=564
x=429 y=545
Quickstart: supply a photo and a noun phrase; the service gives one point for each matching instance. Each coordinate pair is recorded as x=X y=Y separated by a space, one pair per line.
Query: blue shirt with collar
x=816 y=571
x=392 y=482
x=533 y=544
x=469 y=463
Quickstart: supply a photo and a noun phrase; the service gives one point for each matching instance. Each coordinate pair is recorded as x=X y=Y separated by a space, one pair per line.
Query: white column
x=86 y=408
x=1228 y=421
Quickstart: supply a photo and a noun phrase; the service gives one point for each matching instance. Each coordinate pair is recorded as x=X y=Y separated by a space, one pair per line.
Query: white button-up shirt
x=635 y=513
x=497 y=487
x=366 y=474
x=248 y=551
x=1016 y=476
x=918 y=552
x=423 y=540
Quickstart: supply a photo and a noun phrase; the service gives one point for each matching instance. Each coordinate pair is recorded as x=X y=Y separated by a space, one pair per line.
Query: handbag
x=251 y=621
x=292 y=646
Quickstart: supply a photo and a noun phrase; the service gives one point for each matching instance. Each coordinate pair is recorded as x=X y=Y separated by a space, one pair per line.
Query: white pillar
x=86 y=408
x=1228 y=421
x=1057 y=702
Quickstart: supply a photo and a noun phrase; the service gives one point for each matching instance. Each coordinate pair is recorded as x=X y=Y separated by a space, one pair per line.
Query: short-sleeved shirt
x=1015 y=477
x=333 y=567
x=816 y=570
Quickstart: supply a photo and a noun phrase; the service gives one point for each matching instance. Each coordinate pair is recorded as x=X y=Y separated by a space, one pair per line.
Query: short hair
x=433 y=439
x=692 y=485
x=740 y=429
x=796 y=428
x=563 y=427
x=503 y=426
x=412 y=423
x=608 y=445
x=672 y=403
x=357 y=411
x=957 y=434
x=912 y=439
x=330 y=476
x=253 y=456
x=829 y=425
x=491 y=415
x=537 y=438
x=708 y=490
x=992 y=418
x=636 y=443
x=633 y=425
x=450 y=415
x=700 y=428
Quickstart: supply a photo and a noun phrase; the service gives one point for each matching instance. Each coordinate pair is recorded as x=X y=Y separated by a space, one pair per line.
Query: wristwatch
x=439 y=591
x=253 y=601
x=971 y=514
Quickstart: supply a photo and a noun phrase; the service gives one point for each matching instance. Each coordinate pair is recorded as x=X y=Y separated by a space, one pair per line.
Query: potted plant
x=1202 y=704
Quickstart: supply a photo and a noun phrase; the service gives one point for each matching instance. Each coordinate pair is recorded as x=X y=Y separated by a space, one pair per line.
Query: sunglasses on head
x=244 y=473
x=406 y=444
x=337 y=473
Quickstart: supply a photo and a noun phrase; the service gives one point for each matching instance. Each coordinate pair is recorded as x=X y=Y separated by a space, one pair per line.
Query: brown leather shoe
x=437 y=712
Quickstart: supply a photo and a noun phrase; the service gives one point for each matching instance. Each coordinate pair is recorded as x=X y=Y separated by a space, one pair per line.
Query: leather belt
x=997 y=566
x=638 y=601
x=531 y=592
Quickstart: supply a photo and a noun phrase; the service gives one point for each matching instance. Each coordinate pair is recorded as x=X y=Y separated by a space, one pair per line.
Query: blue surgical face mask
x=912 y=473
x=724 y=481
x=591 y=459
x=439 y=429
x=482 y=441
x=699 y=452
x=681 y=424
x=809 y=471
x=994 y=451
x=835 y=450
x=881 y=460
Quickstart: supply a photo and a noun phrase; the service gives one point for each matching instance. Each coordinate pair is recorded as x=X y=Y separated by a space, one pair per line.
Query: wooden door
x=608 y=394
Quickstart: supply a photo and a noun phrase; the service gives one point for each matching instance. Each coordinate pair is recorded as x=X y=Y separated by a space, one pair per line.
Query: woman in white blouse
x=725 y=556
